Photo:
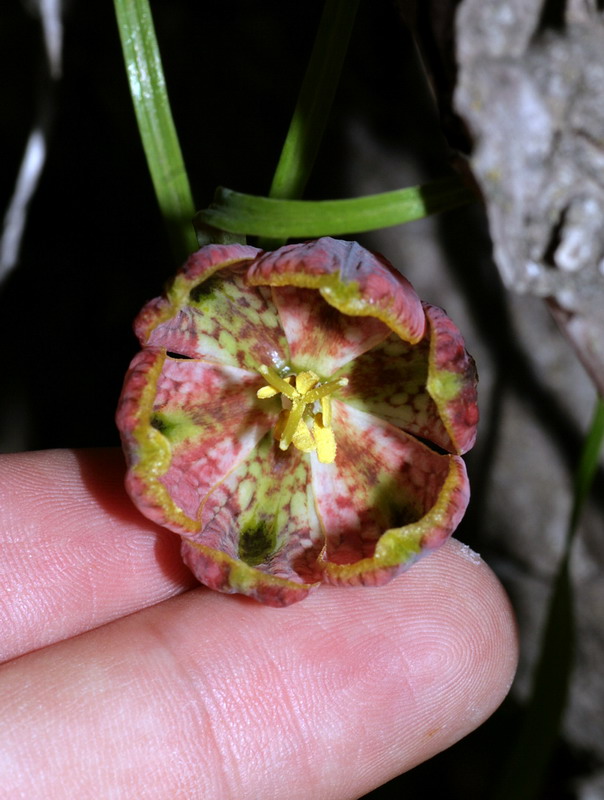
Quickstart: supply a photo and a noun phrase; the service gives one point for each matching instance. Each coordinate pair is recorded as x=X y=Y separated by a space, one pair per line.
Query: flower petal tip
x=452 y=380
x=350 y=278
x=223 y=574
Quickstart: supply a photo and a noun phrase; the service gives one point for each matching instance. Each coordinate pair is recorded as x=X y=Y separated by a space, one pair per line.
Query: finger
x=209 y=696
x=74 y=552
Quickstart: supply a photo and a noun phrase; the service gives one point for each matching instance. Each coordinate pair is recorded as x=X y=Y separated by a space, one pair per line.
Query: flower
x=298 y=416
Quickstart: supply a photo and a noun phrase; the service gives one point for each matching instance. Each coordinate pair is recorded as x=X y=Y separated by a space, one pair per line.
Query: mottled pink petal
x=226 y=321
x=260 y=534
x=196 y=269
x=452 y=379
x=210 y=312
x=146 y=450
x=349 y=278
x=383 y=483
x=185 y=425
x=390 y=382
x=427 y=389
x=320 y=337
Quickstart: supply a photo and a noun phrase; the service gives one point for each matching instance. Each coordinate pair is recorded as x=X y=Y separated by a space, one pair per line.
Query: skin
x=123 y=678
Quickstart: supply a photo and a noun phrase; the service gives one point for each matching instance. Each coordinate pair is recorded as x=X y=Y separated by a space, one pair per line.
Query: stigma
x=305 y=420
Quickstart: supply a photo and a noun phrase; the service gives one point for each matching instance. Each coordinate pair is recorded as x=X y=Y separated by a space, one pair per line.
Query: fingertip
x=458 y=642
x=432 y=655
x=395 y=674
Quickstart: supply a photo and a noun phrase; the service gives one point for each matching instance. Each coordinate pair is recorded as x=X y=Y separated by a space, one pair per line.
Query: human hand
x=138 y=683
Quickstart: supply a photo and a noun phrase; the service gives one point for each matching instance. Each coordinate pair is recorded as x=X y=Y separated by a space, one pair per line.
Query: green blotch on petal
x=256 y=543
x=176 y=426
x=395 y=505
x=398 y=547
x=202 y=294
x=444 y=386
x=344 y=296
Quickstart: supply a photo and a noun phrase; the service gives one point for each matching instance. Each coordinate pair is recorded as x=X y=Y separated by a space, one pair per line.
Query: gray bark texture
x=531 y=89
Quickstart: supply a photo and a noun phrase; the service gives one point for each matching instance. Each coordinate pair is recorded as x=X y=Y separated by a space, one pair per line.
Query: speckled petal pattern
x=349 y=278
x=452 y=379
x=199 y=267
x=382 y=479
x=390 y=382
x=212 y=419
x=226 y=321
x=262 y=518
x=427 y=389
x=320 y=337
x=202 y=420
x=398 y=548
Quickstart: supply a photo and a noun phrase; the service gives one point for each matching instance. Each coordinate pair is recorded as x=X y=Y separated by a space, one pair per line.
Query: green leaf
x=155 y=123
x=315 y=99
x=588 y=464
x=524 y=773
x=283 y=219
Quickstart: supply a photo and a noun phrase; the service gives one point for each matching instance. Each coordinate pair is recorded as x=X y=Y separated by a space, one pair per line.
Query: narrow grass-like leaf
x=588 y=464
x=155 y=123
x=315 y=99
x=283 y=219
x=524 y=774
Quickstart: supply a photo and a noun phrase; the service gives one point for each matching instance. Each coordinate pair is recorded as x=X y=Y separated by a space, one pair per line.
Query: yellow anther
x=303 y=439
x=306 y=381
x=293 y=420
x=266 y=391
x=324 y=390
x=325 y=440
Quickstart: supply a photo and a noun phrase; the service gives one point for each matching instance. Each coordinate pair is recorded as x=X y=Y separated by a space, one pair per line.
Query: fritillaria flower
x=297 y=417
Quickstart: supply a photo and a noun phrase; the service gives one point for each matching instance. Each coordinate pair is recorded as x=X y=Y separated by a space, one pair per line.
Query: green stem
x=155 y=123
x=314 y=101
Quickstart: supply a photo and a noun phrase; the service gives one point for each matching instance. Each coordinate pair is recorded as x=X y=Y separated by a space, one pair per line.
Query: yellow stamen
x=325 y=440
x=303 y=392
x=295 y=415
x=277 y=382
x=324 y=390
x=326 y=410
x=266 y=391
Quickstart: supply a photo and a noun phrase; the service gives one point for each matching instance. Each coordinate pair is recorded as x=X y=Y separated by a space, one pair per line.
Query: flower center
x=301 y=423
